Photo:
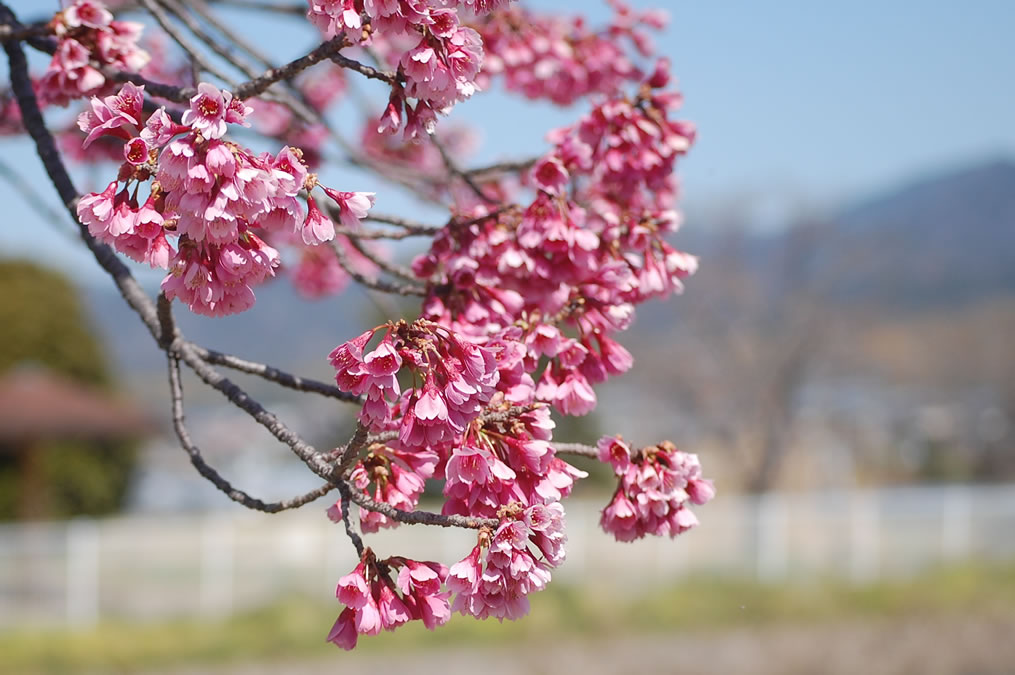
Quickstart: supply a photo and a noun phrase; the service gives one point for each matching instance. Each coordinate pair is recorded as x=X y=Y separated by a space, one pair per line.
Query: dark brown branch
x=365 y=70
x=420 y=517
x=213 y=476
x=291 y=69
x=360 y=439
x=346 y=492
x=19 y=33
x=502 y=167
x=275 y=375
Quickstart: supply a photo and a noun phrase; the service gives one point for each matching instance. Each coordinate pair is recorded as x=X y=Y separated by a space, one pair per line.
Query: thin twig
x=201 y=8
x=193 y=52
x=502 y=167
x=303 y=111
x=391 y=268
x=274 y=374
x=276 y=7
x=378 y=285
x=576 y=449
x=453 y=169
x=408 y=225
x=380 y=234
x=27 y=192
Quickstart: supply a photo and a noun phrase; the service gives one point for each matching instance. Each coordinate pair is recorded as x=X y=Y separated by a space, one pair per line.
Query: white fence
x=148 y=567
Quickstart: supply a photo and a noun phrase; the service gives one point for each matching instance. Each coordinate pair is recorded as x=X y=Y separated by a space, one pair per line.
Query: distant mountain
x=945 y=239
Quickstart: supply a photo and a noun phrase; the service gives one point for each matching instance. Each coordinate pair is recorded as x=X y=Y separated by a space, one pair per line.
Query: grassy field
x=295 y=630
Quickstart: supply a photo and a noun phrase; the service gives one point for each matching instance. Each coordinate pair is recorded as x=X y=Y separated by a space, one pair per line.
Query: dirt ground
x=937 y=645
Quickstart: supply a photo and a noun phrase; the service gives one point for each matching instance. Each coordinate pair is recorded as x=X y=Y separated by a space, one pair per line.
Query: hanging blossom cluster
x=501 y=466
x=219 y=199
x=374 y=601
x=656 y=484
x=582 y=254
x=560 y=58
x=88 y=36
x=495 y=579
x=438 y=59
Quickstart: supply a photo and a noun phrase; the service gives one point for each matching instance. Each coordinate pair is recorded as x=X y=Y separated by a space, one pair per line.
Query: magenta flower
x=317 y=228
x=136 y=151
x=353 y=206
x=207 y=112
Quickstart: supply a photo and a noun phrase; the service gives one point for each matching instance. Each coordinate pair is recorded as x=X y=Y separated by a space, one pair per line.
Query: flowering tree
x=522 y=291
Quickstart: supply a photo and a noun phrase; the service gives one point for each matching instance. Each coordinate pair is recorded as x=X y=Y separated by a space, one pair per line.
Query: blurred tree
x=42 y=323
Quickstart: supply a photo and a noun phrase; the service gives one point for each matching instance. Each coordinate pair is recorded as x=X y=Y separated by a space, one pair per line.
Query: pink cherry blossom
x=207 y=112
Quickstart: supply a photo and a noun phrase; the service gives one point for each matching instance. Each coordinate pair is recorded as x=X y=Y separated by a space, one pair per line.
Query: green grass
x=296 y=628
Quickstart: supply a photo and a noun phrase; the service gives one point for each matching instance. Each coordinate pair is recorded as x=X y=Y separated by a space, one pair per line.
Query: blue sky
x=798 y=104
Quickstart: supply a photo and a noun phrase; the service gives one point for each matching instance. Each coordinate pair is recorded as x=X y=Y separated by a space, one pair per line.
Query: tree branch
x=420 y=517
x=195 y=55
x=213 y=476
x=45 y=146
x=576 y=449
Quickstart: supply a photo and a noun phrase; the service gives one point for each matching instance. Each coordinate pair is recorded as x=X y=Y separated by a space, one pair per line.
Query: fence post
x=865 y=537
x=770 y=536
x=216 y=591
x=82 y=573
x=956 y=519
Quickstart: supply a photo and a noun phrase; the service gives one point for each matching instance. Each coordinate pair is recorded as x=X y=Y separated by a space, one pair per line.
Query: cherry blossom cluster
x=390 y=475
x=88 y=36
x=220 y=200
x=495 y=579
x=560 y=58
x=452 y=379
x=587 y=248
x=486 y=462
x=374 y=601
x=438 y=58
x=655 y=486
x=503 y=462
